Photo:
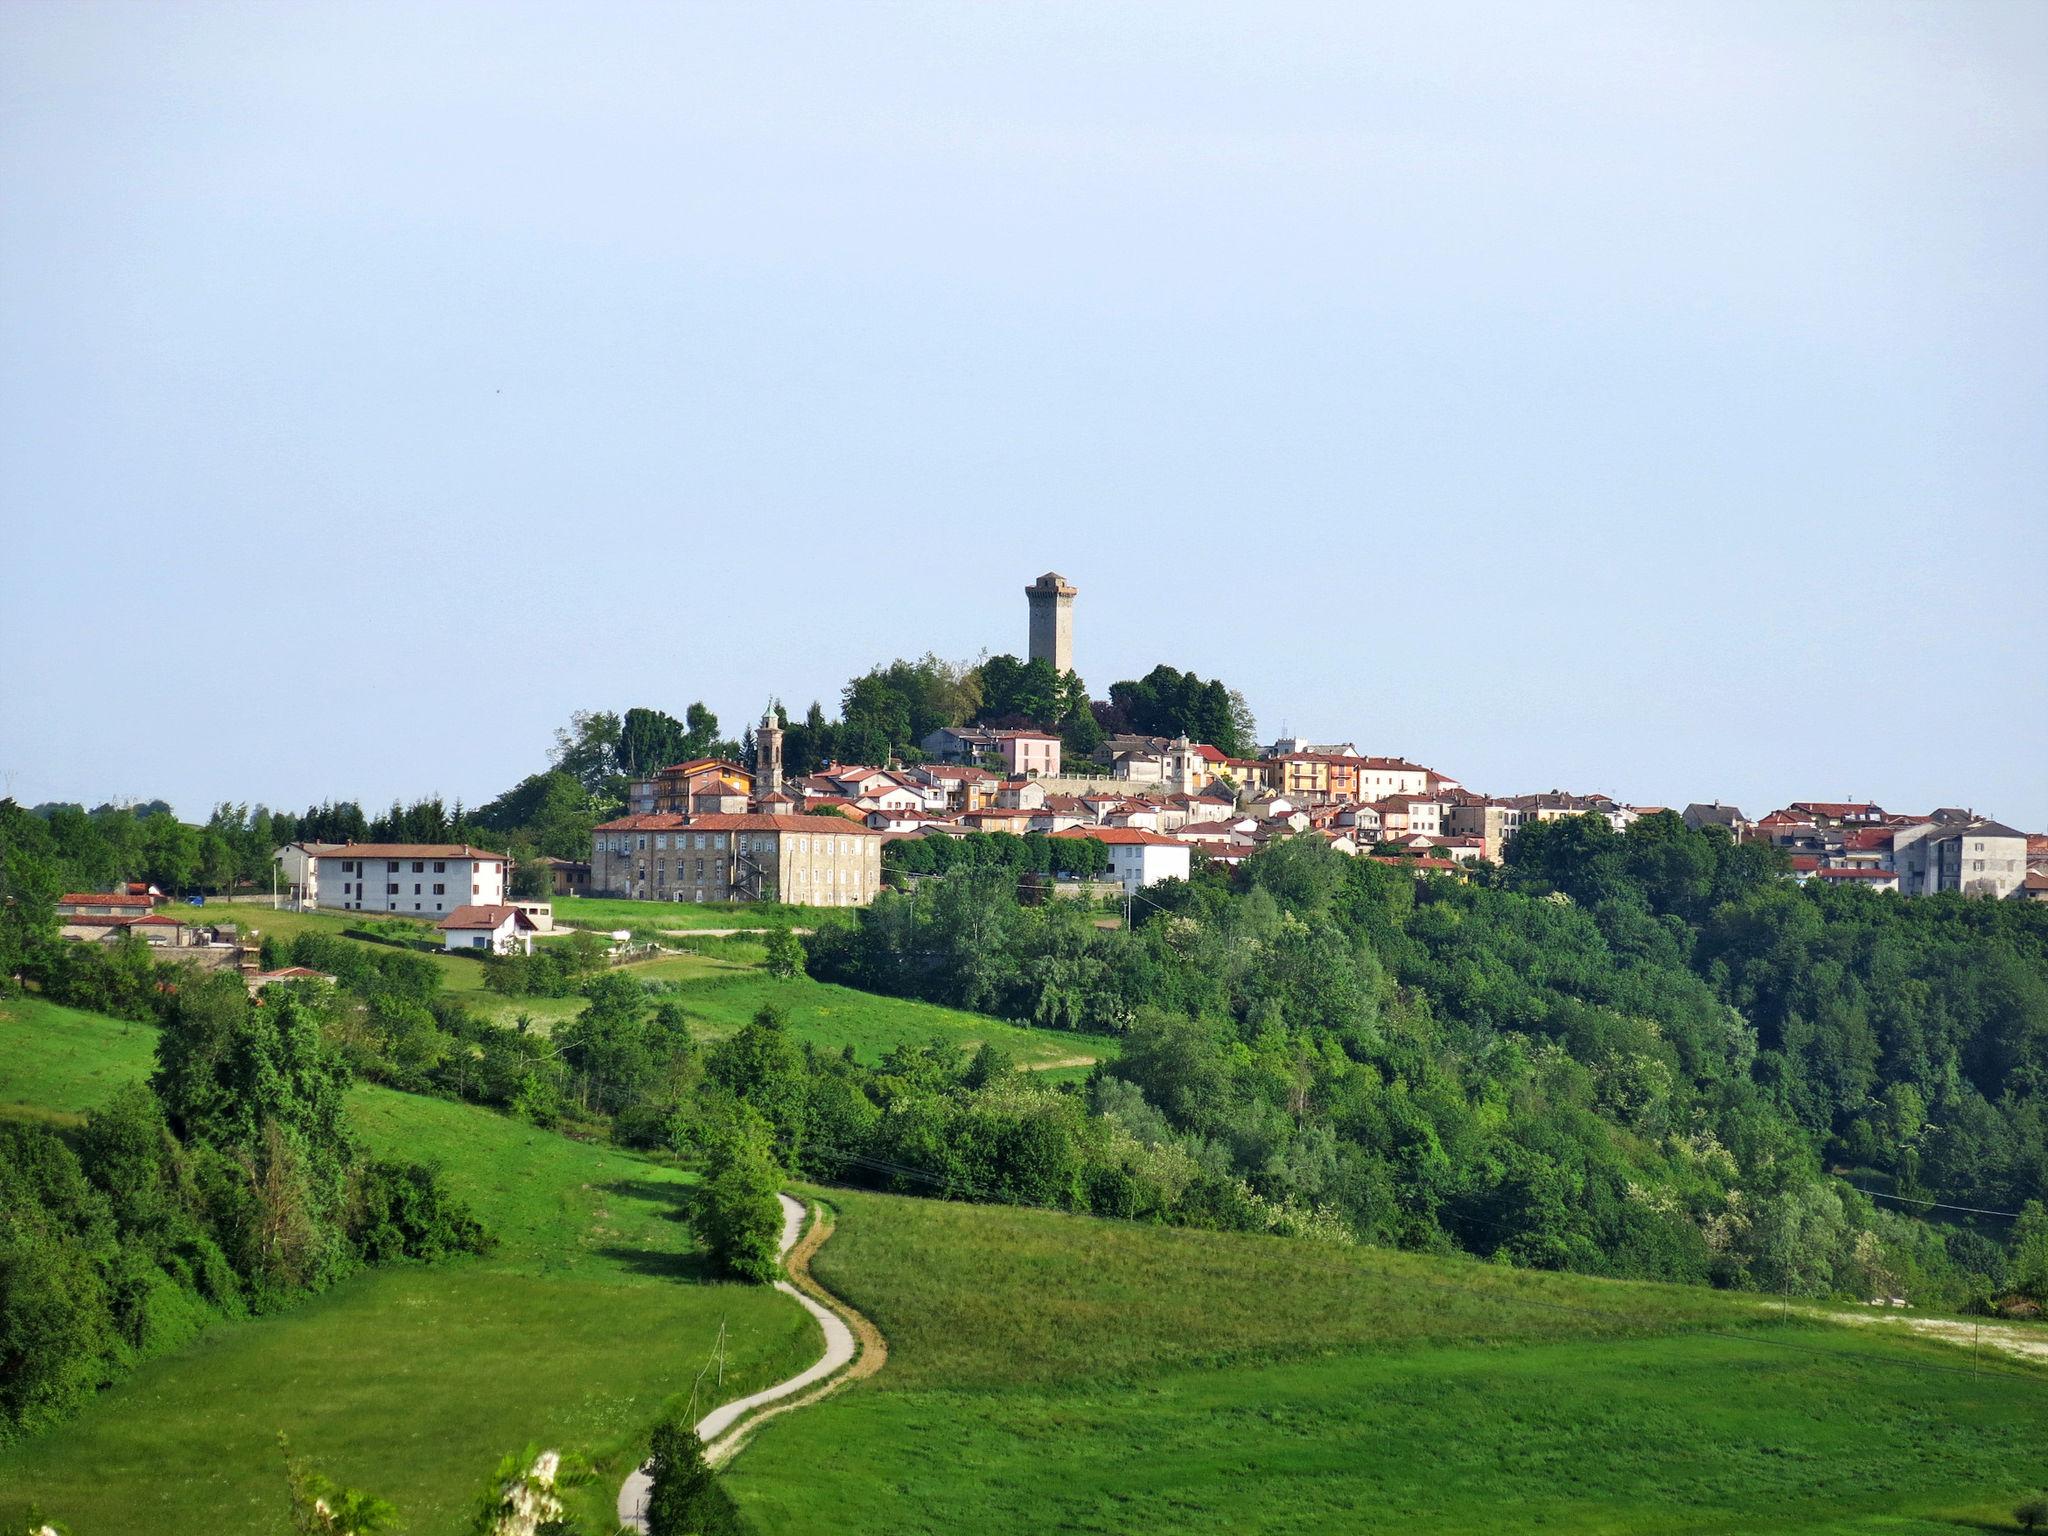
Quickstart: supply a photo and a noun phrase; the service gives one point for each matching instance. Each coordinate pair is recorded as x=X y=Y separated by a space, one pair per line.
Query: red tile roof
x=1123 y=836
x=1856 y=874
x=105 y=899
x=485 y=915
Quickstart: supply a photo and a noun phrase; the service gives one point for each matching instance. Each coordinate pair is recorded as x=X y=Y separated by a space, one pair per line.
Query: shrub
x=687 y=1498
x=736 y=1215
x=403 y=1212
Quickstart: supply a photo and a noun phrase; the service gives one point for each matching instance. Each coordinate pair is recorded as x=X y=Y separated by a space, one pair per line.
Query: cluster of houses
x=708 y=830
x=1853 y=842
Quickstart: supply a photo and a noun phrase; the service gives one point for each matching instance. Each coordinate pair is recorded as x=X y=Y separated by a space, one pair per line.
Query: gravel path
x=720 y=1422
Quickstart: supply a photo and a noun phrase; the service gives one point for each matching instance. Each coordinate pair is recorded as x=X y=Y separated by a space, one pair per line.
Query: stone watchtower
x=1052 y=620
x=768 y=755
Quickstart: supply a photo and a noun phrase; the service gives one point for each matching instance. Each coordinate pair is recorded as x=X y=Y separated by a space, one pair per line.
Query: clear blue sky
x=1647 y=398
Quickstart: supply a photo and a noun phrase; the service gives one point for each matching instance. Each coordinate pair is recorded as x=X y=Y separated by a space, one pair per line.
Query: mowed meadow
x=1052 y=1372
x=592 y=1315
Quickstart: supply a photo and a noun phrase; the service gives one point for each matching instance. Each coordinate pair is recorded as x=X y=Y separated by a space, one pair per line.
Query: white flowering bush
x=523 y=1496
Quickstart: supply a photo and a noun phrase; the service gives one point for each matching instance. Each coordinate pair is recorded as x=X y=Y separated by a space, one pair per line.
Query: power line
x=1940 y=1205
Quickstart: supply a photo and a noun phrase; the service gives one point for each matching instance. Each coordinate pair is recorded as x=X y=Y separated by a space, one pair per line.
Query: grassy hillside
x=721 y=998
x=410 y=1382
x=1053 y=1372
x=724 y=985
x=606 y=912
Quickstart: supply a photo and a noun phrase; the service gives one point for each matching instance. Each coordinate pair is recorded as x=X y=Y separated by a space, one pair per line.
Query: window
x=391 y=889
x=418 y=867
x=700 y=869
x=479 y=941
x=660 y=840
x=440 y=889
x=348 y=866
x=391 y=866
x=440 y=866
x=476 y=890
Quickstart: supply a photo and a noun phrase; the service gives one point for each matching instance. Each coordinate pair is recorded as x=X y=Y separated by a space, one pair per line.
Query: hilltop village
x=708 y=830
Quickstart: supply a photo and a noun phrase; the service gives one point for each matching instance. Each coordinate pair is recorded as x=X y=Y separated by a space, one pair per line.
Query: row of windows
x=760 y=843
x=391 y=888
x=419 y=866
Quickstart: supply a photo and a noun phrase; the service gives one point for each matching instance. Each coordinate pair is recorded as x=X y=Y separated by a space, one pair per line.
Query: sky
x=1644 y=398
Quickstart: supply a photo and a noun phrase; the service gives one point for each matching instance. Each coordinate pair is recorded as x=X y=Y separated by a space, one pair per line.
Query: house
x=1032 y=754
x=296 y=871
x=2034 y=887
x=1493 y=822
x=500 y=929
x=1462 y=850
x=1138 y=858
x=1021 y=795
x=998 y=819
x=1977 y=857
x=424 y=879
x=570 y=877
x=1415 y=814
x=1838 y=813
x=104 y=904
x=956 y=786
x=150 y=927
x=1727 y=817
x=959 y=744
x=670 y=791
x=1557 y=803
x=1871 y=879
x=815 y=861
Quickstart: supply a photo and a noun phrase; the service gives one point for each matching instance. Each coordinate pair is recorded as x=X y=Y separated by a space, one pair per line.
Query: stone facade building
x=1052 y=621
x=813 y=861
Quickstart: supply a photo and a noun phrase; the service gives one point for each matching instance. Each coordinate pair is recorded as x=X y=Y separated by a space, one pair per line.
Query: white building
x=414 y=879
x=297 y=875
x=497 y=928
x=1138 y=858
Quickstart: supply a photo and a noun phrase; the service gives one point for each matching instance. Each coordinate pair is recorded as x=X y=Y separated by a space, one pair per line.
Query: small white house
x=500 y=929
x=1138 y=858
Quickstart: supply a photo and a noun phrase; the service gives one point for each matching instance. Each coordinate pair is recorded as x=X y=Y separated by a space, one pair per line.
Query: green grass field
x=410 y=1382
x=1049 y=1372
x=720 y=998
x=607 y=912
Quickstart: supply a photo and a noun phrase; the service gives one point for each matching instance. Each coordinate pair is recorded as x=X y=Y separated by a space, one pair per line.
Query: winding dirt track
x=854 y=1348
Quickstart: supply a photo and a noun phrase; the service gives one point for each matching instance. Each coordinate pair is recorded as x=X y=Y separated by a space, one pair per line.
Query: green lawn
x=608 y=912
x=1049 y=1372
x=409 y=1381
x=722 y=998
x=60 y=1060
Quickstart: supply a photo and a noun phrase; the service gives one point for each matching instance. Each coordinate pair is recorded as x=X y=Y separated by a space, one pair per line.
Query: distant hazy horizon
x=1643 y=399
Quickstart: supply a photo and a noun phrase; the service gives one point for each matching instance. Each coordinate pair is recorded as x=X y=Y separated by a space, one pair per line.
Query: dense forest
x=1640 y=1054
